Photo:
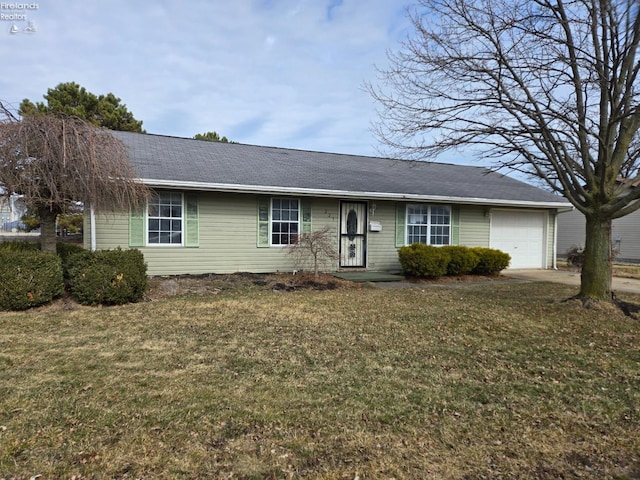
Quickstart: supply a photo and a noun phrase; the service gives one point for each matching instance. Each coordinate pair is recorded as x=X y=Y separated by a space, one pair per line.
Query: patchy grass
x=482 y=381
x=618 y=270
x=626 y=271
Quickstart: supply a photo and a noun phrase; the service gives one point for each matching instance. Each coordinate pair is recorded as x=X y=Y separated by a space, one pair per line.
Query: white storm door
x=353 y=234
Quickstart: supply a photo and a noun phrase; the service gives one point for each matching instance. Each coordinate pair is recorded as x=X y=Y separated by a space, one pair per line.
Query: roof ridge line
x=273 y=147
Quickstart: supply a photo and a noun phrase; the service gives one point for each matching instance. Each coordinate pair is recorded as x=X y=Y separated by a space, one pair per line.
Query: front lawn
x=484 y=381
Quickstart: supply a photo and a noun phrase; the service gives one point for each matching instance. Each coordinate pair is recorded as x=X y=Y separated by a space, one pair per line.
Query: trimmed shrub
x=490 y=261
x=419 y=260
x=29 y=278
x=462 y=259
x=109 y=277
x=64 y=251
x=18 y=246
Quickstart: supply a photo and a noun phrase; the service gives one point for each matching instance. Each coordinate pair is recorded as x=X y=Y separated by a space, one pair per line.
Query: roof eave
x=314 y=192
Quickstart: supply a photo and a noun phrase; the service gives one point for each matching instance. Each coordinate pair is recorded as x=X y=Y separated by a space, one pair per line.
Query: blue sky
x=285 y=73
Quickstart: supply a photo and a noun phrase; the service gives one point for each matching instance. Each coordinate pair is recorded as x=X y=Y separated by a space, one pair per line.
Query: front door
x=353 y=234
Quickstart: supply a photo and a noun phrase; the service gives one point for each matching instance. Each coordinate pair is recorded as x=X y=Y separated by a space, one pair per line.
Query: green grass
x=490 y=381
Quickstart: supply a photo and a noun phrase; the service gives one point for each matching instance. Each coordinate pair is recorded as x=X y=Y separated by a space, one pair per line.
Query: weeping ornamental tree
x=55 y=161
x=546 y=88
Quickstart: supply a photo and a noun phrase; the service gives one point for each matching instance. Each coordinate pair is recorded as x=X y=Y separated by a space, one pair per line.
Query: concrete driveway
x=570 y=278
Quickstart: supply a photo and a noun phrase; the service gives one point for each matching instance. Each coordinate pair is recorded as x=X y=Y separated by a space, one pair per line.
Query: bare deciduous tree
x=54 y=161
x=315 y=248
x=545 y=87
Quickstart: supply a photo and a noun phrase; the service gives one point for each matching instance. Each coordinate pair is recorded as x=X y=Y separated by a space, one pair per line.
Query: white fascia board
x=313 y=192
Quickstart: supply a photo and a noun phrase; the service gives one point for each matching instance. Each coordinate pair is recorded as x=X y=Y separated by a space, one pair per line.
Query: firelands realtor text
x=16 y=11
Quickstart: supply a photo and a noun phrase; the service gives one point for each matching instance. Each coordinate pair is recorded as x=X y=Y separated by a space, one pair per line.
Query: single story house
x=225 y=207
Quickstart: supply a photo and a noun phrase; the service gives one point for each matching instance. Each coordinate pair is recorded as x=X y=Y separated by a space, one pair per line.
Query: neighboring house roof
x=163 y=161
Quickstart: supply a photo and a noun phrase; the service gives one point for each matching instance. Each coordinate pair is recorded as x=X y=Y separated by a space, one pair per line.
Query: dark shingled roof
x=196 y=164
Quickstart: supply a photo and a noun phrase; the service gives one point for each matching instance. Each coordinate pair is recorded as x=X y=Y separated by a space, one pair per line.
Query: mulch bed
x=207 y=284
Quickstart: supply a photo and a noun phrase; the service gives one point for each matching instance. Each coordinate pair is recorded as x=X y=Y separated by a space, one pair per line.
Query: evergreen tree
x=73 y=100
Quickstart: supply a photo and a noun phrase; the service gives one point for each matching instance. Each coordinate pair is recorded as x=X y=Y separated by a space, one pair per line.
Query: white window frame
x=171 y=219
x=429 y=226
x=273 y=220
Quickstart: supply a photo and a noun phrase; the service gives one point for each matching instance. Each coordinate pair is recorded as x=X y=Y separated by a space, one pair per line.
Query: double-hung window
x=285 y=221
x=165 y=219
x=429 y=224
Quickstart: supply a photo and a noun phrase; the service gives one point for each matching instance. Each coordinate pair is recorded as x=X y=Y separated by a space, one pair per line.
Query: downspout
x=555 y=241
x=92 y=216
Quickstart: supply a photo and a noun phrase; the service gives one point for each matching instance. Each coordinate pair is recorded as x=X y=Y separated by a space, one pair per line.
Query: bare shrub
x=317 y=249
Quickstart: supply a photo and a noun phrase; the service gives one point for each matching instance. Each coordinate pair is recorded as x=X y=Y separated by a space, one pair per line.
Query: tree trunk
x=48 y=229
x=596 y=270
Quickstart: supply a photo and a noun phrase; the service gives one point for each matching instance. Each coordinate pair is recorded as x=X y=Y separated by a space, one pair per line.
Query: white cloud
x=284 y=73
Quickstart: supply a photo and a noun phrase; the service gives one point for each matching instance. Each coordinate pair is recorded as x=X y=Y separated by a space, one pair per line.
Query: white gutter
x=235 y=188
x=92 y=216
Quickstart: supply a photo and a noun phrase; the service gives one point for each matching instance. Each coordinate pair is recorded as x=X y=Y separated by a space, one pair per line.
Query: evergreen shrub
x=19 y=246
x=462 y=259
x=423 y=261
x=491 y=261
x=64 y=251
x=108 y=277
x=29 y=277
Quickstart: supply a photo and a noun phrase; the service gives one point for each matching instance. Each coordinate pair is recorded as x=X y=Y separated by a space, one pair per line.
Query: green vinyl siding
x=227 y=234
x=229 y=224
x=475 y=223
x=382 y=254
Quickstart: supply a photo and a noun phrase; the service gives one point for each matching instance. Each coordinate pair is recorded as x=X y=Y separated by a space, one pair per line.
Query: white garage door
x=521 y=235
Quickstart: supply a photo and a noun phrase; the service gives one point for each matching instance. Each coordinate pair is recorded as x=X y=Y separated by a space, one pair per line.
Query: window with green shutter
x=169 y=218
x=455 y=225
x=137 y=231
x=165 y=219
x=401 y=216
x=192 y=221
x=306 y=215
x=263 y=222
x=428 y=224
x=281 y=220
x=285 y=221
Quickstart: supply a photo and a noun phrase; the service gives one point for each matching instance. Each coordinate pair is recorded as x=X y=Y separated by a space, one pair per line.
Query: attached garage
x=522 y=235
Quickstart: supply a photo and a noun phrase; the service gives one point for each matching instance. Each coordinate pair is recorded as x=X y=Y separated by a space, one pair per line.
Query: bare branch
x=316 y=249
x=55 y=161
x=547 y=88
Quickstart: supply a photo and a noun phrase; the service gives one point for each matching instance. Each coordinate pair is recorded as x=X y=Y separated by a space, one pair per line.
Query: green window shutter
x=306 y=215
x=192 y=221
x=137 y=228
x=401 y=215
x=263 y=222
x=455 y=225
